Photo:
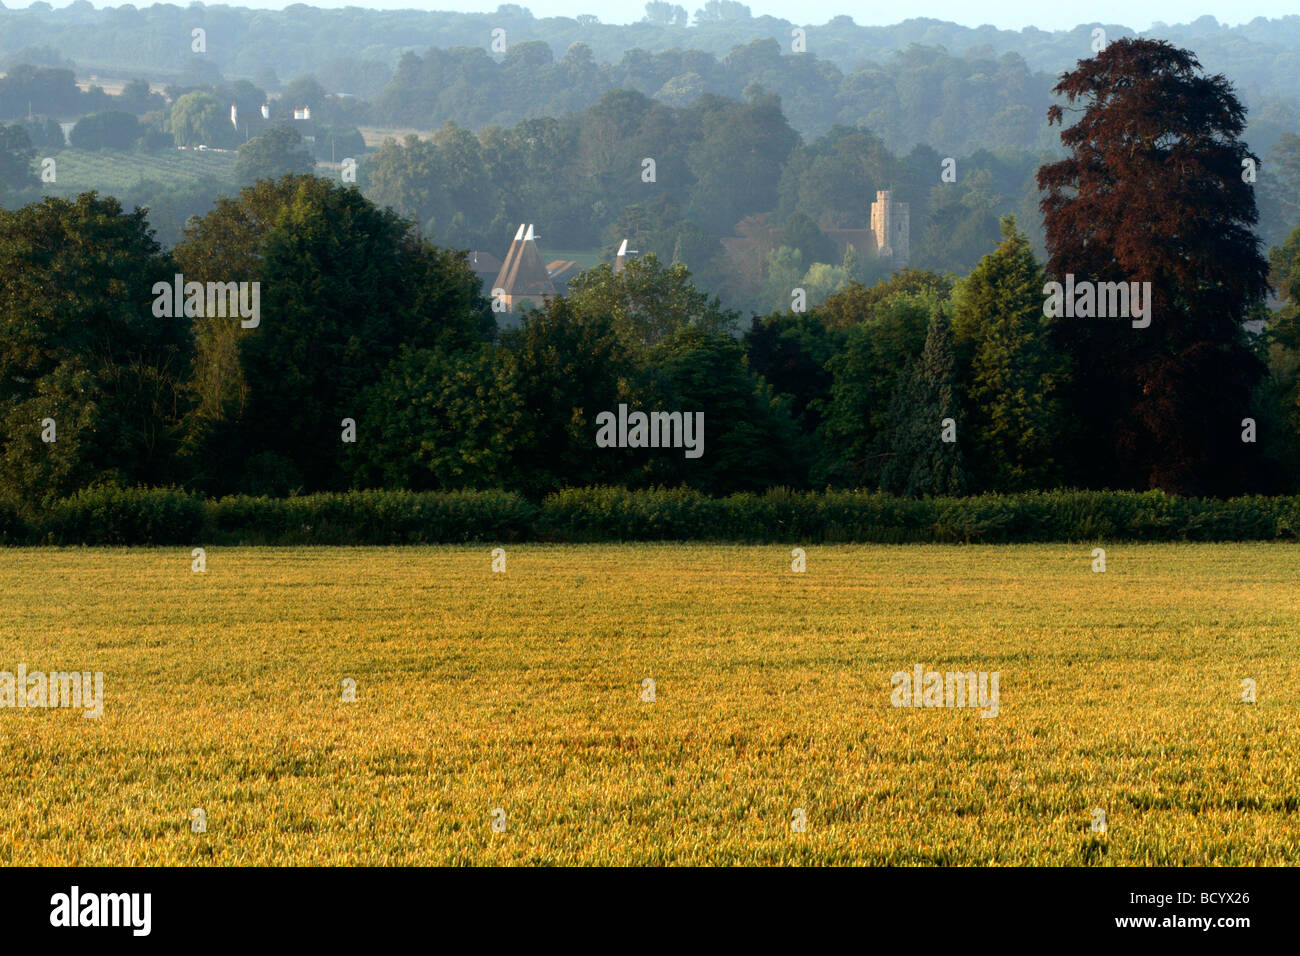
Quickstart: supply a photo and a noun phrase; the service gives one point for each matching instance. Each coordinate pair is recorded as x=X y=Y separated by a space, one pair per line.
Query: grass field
x=114 y=172
x=522 y=691
x=374 y=136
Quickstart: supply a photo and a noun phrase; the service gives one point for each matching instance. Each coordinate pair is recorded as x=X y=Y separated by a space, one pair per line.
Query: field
x=522 y=692
x=374 y=136
x=114 y=173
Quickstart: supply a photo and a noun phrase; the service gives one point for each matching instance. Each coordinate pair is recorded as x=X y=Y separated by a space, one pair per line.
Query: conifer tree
x=918 y=460
x=1013 y=372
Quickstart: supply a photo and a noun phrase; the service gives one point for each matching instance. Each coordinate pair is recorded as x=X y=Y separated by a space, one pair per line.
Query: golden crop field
x=521 y=692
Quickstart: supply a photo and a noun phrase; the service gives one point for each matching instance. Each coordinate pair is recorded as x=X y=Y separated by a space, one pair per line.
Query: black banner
x=333 y=906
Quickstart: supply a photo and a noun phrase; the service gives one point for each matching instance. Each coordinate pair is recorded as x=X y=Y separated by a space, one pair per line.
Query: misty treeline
x=919 y=384
x=922 y=81
x=353 y=50
x=751 y=141
x=722 y=168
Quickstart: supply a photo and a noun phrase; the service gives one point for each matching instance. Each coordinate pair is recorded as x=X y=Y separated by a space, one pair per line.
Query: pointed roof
x=624 y=254
x=511 y=255
x=524 y=271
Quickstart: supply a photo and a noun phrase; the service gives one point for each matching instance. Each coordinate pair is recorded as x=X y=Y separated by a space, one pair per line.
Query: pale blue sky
x=1007 y=14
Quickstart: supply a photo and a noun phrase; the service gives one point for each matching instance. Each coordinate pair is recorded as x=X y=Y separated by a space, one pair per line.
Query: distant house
x=485 y=266
x=250 y=125
x=560 y=271
x=523 y=281
x=863 y=242
x=304 y=124
x=888 y=238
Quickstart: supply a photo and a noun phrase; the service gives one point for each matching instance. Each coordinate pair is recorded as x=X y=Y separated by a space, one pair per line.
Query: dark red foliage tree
x=1153 y=191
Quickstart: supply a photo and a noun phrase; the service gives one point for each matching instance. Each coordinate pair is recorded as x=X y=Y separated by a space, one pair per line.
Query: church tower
x=890 y=224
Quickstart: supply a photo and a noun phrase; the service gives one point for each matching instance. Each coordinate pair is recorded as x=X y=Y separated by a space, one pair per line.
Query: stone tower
x=890 y=222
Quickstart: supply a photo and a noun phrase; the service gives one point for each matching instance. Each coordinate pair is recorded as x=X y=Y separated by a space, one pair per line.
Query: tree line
x=918 y=384
x=355 y=50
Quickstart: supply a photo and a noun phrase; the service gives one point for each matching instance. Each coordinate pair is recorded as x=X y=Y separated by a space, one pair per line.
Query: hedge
x=371 y=517
x=108 y=515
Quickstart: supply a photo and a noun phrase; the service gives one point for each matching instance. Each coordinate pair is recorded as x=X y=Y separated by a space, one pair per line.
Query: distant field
x=374 y=136
x=521 y=691
x=114 y=172
x=115 y=83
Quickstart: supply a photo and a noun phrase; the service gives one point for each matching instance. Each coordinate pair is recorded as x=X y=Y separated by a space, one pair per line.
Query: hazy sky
x=1008 y=14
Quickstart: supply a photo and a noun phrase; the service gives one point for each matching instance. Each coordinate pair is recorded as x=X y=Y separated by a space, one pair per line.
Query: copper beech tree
x=1157 y=187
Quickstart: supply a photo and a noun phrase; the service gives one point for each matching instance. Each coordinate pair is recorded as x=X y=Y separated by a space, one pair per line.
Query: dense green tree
x=278 y=152
x=662 y=13
x=750 y=439
x=800 y=232
x=336 y=143
x=1278 y=397
x=1014 y=374
x=45 y=133
x=112 y=129
x=199 y=119
x=790 y=352
x=1285 y=170
x=80 y=344
x=439 y=420
x=27 y=89
x=344 y=286
x=821 y=281
x=917 y=457
x=1284 y=277
x=861 y=303
x=865 y=377
x=961 y=228
x=737 y=161
x=722 y=11
x=446 y=185
x=566 y=367
x=138 y=98
x=646 y=301
x=833 y=179
x=16 y=157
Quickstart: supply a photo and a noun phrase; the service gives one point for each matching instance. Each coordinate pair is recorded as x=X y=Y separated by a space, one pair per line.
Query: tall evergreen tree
x=924 y=411
x=1014 y=374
